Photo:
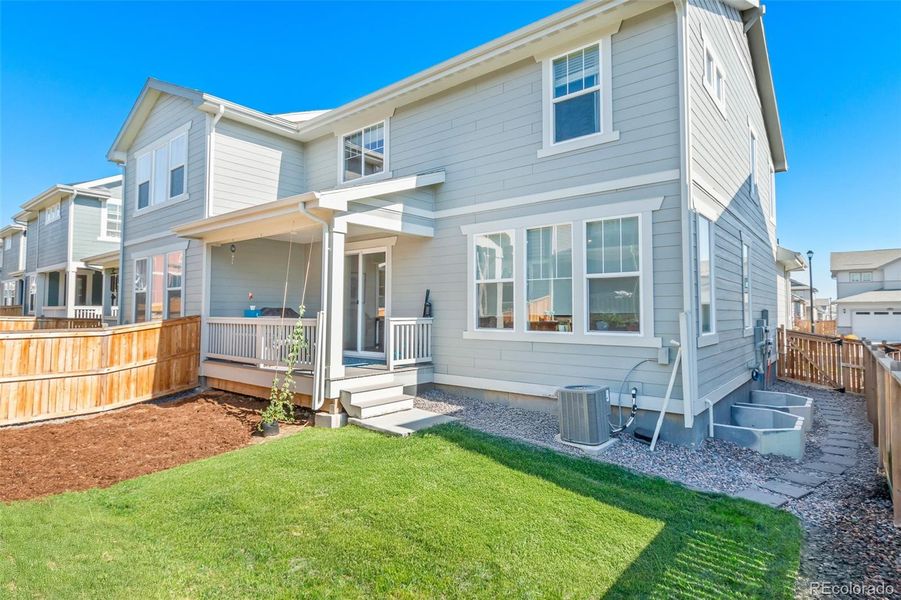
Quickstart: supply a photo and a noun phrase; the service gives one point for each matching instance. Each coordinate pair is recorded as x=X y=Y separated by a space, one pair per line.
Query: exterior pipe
x=709 y=404
x=318 y=392
x=669 y=393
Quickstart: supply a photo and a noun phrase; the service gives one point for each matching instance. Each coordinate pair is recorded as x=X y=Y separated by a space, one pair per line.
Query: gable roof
x=524 y=43
x=863 y=259
x=57 y=192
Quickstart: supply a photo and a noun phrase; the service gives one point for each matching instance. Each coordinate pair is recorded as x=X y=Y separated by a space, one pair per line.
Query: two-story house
x=868 y=293
x=12 y=265
x=579 y=200
x=67 y=225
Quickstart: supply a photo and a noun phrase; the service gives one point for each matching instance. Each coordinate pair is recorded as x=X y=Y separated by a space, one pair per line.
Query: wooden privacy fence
x=883 y=396
x=56 y=373
x=13 y=310
x=820 y=327
x=31 y=323
x=822 y=360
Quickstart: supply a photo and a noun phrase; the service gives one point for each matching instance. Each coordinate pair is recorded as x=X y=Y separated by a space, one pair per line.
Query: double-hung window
x=7 y=243
x=746 y=285
x=861 y=276
x=161 y=171
x=577 y=94
x=112 y=219
x=494 y=280
x=706 y=285
x=549 y=278
x=714 y=77
x=578 y=106
x=52 y=213
x=364 y=152
x=158 y=287
x=613 y=286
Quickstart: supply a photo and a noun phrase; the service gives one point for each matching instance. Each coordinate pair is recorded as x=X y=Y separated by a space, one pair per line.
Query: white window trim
x=720 y=103
x=607 y=133
x=104 y=234
x=525 y=278
x=712 y=336
x=149 y=149
x=386 y=170
x=8 y=243
x=747 y=317
x=57 y=211
x=148 y=255
x=645 y=338
x=512 y=280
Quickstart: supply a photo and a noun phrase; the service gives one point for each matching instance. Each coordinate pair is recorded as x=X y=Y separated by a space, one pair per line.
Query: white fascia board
x=338 y=199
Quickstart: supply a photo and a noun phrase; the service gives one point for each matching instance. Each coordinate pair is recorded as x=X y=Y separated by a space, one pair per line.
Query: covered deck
x=311 y=259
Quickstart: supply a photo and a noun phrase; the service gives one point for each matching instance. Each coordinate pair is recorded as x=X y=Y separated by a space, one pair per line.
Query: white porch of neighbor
x=79 y=293
x=265 y=262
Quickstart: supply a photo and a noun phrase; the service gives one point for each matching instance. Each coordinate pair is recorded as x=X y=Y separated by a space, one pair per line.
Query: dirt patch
x=101 y=450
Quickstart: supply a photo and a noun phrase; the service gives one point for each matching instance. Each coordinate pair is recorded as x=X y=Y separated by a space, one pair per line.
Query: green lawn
x=350 y=513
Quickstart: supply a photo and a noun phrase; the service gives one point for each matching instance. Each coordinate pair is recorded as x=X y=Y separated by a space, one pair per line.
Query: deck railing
x=260 y=341
x=88 y=312
x=409 y=341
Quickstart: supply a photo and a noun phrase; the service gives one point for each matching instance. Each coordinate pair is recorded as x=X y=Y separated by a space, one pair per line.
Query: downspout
x=689 y=345
x=120 y=279
x=211 y=145
x=70 y=271
x=324 y=282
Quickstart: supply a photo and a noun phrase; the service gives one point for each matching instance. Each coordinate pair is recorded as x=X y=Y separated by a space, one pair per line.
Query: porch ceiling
x=278 y=218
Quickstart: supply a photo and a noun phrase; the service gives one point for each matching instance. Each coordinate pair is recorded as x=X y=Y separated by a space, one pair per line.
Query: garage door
x=877 y=325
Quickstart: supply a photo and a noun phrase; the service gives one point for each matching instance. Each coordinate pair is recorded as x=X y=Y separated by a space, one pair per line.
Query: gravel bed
x=849 y=535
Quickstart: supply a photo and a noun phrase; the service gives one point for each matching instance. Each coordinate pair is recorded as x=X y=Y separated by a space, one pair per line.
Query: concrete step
x=755 y=495
x=366 y=409
x=377 y=391
x=786 y=489
x=402 y=423
x=803 y=478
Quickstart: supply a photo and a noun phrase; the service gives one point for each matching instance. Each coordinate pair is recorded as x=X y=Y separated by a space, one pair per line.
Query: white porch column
x=70 y=291
x=105 y=293
x=335 y=357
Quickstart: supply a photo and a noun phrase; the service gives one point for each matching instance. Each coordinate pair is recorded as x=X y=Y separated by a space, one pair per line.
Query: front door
x=365 y=297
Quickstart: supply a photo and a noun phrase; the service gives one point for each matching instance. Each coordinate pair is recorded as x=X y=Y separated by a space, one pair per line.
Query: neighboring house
x=824 y=309
x=66 y=224
x=12 y=265
x=575 y=196
x=868 y=285
x=801 y=302
x=788 y=261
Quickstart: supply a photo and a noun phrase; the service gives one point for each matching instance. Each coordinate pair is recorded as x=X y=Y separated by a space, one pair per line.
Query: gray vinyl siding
x=168 y=114
x=720 y=158
x=252 y=167
x=31 y=255
x=485 y=134
x=440 y=265
x=48 y=242
x=261 y=266
x=12 y=257
x=86 y=232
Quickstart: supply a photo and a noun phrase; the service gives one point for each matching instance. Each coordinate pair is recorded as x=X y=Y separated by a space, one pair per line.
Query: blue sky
x=70 y=72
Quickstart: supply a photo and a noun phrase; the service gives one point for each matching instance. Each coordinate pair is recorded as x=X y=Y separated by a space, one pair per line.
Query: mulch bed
x=103 y=449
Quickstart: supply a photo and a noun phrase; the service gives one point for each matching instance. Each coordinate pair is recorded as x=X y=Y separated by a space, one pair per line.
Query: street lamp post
x=810 y=268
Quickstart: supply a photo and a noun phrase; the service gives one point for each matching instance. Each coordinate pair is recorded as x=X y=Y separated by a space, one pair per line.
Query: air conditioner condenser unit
x=584 y=414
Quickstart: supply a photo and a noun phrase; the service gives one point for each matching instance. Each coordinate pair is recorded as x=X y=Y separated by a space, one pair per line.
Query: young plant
x=281 y=395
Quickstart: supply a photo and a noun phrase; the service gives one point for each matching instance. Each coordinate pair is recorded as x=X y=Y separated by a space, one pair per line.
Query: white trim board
x=654 y=403
x=610 y=185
